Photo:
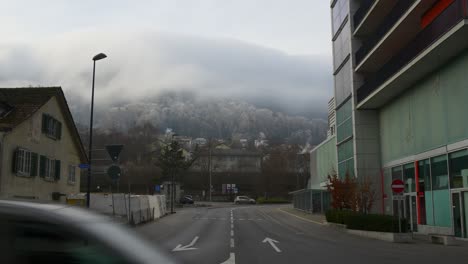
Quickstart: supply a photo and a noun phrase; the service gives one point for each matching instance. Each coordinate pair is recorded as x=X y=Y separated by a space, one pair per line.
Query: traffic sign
x=398 y=186
x=83 y=166
x=114 y=151
x=114 y=172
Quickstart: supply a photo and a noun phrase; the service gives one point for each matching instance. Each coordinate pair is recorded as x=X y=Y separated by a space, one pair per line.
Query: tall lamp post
x=99 y=56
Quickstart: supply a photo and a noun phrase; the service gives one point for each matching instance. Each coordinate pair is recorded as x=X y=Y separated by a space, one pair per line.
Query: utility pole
x=209 y=166
x=172 y=191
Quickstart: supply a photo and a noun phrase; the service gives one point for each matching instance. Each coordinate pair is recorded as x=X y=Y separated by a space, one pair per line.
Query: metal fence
x=311 y=201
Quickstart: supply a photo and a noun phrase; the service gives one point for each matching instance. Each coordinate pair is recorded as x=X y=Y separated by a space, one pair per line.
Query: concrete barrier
x=136 y=208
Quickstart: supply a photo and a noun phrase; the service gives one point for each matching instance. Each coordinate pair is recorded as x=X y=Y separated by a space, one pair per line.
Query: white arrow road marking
x=272 y=244
x=231 y=259
x=187 y=247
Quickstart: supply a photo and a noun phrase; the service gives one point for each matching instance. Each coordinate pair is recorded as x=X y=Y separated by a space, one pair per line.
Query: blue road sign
x=83 y=166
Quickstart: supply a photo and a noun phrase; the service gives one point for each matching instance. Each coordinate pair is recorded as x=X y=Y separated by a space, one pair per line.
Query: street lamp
x=99 y=56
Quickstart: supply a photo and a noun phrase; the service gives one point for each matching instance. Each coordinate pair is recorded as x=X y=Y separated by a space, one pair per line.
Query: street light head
x=100 y=56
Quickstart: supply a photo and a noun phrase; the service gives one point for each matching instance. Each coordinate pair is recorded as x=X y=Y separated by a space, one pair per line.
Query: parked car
x=186 y=199
x=244 y=200
x=54 y=233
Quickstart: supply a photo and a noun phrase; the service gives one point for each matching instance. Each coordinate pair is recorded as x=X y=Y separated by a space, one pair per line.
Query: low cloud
x=143 y=65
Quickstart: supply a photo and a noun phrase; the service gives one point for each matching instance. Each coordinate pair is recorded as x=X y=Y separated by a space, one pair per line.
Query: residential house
x=40 y=148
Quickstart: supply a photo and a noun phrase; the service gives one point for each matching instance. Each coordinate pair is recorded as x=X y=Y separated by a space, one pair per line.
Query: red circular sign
x=398 y=186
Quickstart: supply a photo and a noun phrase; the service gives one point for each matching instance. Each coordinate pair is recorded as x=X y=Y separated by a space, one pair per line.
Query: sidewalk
x=313 y=218
x=320 y=219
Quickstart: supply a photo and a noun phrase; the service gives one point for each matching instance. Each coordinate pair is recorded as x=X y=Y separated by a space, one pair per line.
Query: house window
x=24 y=162
x=49 y=169
x=71 y=173
x=51 y=127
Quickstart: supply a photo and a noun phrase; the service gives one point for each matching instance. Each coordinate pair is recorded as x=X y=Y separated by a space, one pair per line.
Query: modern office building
x=401 y=89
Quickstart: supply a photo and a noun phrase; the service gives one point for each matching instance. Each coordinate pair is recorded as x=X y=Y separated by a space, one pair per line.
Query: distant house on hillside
x=229 y=167
x=40 y=147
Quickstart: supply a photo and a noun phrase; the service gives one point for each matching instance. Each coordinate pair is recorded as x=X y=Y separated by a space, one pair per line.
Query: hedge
x=337 y=216
x=367 y=222
x=273 y=200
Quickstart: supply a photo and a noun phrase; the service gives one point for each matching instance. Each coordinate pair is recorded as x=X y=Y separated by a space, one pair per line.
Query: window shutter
x=14 y=161
x=58 y=133
x=42 y=166
x=44 y=123
x=34 y=159
x=57 y=170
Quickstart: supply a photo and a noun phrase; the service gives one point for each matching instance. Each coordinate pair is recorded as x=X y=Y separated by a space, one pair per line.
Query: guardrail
x=390 y=20
x=451 y=16
x=362 y=11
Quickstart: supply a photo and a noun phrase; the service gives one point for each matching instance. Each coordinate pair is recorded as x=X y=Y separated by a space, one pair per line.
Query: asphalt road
x=265 y=234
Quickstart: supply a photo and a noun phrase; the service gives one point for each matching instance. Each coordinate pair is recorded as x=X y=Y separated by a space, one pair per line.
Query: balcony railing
x=362 y=12
x=397 y=12
x=450 y=17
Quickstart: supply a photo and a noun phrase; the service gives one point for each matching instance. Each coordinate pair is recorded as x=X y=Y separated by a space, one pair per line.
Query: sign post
x=398 y=186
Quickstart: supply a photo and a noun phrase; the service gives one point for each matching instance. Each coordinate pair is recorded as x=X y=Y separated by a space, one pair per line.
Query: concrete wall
x=28 y=135
x=139 y=208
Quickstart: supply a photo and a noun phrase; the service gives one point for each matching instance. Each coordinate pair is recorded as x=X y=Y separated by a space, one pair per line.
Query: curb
x=302 y=218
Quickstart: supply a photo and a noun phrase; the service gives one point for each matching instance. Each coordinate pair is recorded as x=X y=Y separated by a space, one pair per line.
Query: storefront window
x=409 y=179
x=439 y=173
x=440 y=192
x=459 y=169
x=397 y=173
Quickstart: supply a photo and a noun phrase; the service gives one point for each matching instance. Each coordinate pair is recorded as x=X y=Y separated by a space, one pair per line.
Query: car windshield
x=235 y=131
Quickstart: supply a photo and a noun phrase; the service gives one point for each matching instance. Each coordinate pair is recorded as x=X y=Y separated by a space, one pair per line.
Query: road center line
x=232 y=242
x=232 y=226
x=232 y=233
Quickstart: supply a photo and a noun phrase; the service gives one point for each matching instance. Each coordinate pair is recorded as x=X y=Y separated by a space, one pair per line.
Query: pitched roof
x=22 y=103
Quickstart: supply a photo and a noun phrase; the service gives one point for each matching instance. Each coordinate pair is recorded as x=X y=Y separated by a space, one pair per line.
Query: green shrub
x=273 y=200
x=337 y=216
x=367 y=222
x=374 y=222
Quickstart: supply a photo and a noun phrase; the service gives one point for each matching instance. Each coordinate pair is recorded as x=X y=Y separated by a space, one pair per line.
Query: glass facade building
x=400 y=86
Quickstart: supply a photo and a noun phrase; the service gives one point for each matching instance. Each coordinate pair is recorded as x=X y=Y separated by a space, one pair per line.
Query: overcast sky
x=274 y=52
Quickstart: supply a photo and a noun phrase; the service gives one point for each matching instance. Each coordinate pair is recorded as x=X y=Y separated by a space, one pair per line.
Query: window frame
x=51 y=127
x=50 y=169
x=71 y=174
x=23 y=162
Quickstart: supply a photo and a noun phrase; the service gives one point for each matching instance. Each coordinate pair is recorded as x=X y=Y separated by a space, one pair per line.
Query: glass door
x=410 y=212
x=464 y=218
x=414 y=214
x=457 y=214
